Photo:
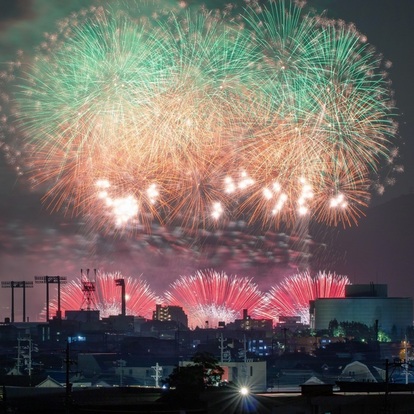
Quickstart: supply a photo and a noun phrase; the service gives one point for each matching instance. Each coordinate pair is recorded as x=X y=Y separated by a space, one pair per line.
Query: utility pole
x=386 y=384
x=284 y=329
x=68 y=363
x=121 y=364
x=406 y=359
x=24 y=356
x=157 y=376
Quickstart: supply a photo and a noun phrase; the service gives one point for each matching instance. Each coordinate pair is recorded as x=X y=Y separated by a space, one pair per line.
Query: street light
x=247 y=402
x=244 y=391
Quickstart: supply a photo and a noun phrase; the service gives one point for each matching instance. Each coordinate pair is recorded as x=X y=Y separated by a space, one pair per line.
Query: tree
x=358 y=331
x=204 y=371
x=332 y=327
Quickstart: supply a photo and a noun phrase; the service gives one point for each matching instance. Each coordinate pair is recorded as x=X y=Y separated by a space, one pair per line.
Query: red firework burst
x=210 y=296
x=107 y=298
x=291 y=297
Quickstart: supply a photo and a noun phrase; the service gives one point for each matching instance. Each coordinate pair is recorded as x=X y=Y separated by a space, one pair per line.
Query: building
x=83 y=316
x=367 y=304
x=170 y=313
x=249 y=324
x=249 y=373
x=357 y=371
x=117 y=370
x=243 y=373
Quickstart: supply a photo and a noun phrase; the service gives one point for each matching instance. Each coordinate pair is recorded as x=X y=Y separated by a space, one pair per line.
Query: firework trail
x=192 y=118
x=291 y=297
x=140 y=300
x=210 y=296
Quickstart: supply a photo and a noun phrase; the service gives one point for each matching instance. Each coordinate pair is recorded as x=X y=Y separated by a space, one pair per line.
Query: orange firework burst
x=194 y=118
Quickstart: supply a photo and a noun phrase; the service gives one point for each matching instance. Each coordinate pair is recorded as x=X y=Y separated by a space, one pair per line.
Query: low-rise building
x=249 y=373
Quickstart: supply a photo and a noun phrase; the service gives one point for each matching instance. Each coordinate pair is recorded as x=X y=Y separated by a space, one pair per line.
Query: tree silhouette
x=204 y=371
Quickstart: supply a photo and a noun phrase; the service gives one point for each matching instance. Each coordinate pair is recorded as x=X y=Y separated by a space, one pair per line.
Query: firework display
x=291 y=297
x=209 y=297
x=194 y=118
x=140 y=300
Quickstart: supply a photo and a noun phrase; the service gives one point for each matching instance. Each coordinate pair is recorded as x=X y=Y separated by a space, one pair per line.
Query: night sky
x=35 y=242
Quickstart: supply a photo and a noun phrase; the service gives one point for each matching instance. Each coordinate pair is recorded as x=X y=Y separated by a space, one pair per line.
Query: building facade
x=367 y=304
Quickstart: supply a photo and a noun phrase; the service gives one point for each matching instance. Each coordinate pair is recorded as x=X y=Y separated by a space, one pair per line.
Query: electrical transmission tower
x=88 y=289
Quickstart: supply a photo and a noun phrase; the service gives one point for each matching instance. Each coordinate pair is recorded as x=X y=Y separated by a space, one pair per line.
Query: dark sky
x=35 y=242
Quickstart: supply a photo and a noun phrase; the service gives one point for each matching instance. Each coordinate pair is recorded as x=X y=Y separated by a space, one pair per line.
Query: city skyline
x=36 y=242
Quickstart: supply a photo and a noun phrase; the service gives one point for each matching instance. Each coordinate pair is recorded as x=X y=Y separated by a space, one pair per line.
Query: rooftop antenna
x=88 y=289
